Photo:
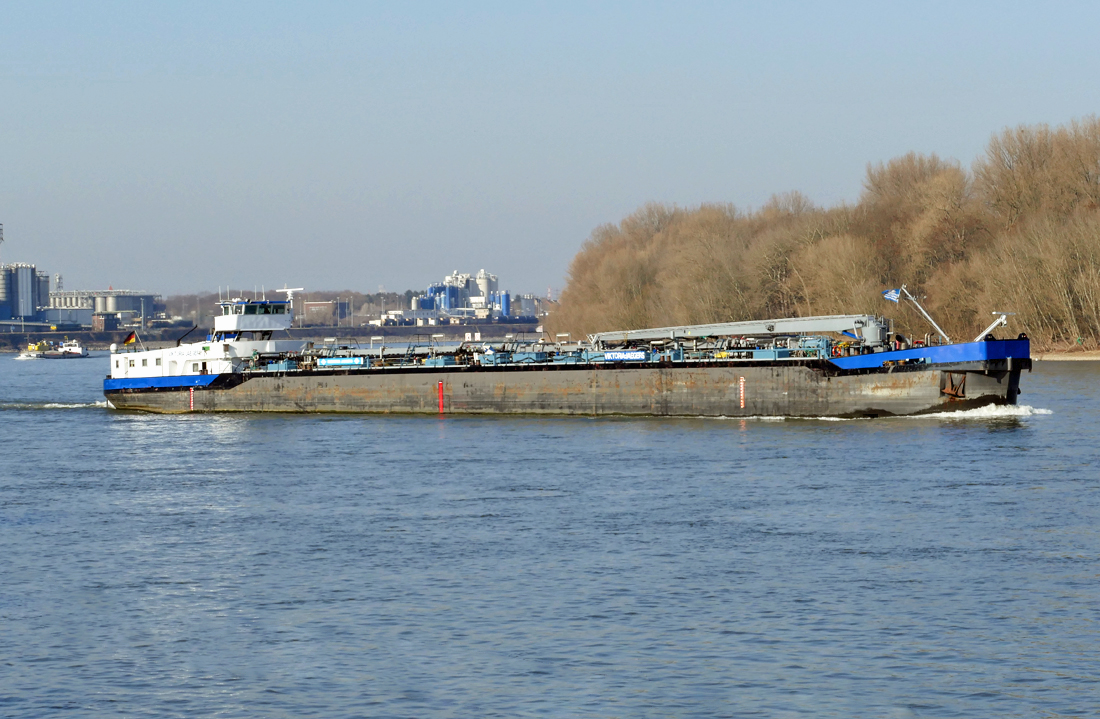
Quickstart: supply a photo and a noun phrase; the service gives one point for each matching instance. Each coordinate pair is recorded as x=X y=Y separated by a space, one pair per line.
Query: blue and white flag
x=892 y=295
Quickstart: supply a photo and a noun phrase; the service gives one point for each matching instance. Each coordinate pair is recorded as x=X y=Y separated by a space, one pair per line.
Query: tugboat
x=43 y=349
x=836 y=366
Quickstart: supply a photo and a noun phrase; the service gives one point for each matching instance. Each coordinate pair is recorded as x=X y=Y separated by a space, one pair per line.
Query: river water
x=271 y=566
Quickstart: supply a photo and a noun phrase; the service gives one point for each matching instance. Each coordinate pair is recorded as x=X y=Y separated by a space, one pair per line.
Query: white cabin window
x=158 y=361
x=145 y=363
x=116 y=364
x=131 y=363
x=194 y=366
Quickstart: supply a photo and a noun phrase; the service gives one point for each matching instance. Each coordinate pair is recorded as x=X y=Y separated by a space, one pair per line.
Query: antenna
x=290 y=297
x=1 y=233
x=290 y=293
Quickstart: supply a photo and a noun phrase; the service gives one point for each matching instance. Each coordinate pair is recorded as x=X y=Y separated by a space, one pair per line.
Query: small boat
x=43 y=349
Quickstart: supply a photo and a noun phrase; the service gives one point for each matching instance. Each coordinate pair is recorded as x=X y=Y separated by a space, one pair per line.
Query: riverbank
x=1071 y=356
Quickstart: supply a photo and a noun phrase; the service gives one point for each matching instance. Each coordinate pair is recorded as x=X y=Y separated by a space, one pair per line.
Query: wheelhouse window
x=250 y=309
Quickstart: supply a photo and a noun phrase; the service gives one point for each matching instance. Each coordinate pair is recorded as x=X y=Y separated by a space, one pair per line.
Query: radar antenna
x=290 y=293
x=290 y=296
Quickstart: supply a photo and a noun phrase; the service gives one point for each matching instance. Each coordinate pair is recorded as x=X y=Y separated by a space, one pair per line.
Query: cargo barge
x=835 y=366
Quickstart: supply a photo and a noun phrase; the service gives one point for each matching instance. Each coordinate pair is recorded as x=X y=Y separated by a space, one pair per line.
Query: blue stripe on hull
x=199 y=380
x=945 y=354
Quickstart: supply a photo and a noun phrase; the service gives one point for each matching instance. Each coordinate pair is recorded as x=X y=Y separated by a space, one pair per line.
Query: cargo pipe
x=180 y=338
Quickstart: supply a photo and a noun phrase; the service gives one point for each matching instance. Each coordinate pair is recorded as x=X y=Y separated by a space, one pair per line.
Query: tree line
x=1019 y=231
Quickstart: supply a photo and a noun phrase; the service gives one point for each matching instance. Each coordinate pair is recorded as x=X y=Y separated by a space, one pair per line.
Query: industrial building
x=459 y=298
x=23 y=290
x=82 y=307
x=25 y=297
x=461 y=294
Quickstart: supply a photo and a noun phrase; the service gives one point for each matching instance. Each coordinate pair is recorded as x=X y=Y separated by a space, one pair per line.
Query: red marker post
x=441 y=398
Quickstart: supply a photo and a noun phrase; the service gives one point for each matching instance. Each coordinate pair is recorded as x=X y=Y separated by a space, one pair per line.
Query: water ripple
x=241 y=566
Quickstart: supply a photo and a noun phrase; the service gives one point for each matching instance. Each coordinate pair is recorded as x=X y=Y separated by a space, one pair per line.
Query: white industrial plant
x=460 y=298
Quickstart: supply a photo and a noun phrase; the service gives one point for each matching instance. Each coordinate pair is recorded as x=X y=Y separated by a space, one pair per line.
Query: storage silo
x=42 y=294
x=5 y=293
x=453 y=298
x=486 y=283
x=26 y=290
x=112 y=304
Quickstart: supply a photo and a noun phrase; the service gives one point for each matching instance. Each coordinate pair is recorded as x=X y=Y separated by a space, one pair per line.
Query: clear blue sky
x=181 y=146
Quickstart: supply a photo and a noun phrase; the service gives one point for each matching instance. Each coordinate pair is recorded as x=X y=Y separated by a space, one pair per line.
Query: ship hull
x=789 y=389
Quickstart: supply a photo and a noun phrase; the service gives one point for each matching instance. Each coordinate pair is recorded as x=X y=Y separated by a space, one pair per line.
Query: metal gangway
x=871 y=329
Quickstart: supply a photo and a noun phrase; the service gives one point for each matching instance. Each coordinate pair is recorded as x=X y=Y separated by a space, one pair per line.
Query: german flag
x=130 y=338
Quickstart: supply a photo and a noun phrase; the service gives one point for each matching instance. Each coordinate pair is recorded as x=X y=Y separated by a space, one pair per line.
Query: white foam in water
x=65 y=405
x=989 y=411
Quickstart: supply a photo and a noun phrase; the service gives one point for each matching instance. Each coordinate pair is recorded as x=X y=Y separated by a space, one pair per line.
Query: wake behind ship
x=835 y=366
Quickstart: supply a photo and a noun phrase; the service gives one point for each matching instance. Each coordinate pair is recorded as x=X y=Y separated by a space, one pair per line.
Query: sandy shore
x=1093 y=355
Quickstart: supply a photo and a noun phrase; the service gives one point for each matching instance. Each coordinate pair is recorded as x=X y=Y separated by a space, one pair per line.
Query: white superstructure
x=243 y=331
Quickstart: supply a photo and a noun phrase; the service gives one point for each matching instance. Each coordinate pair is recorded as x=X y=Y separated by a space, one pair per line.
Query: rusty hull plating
x=792 y=389
x=835 y=366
